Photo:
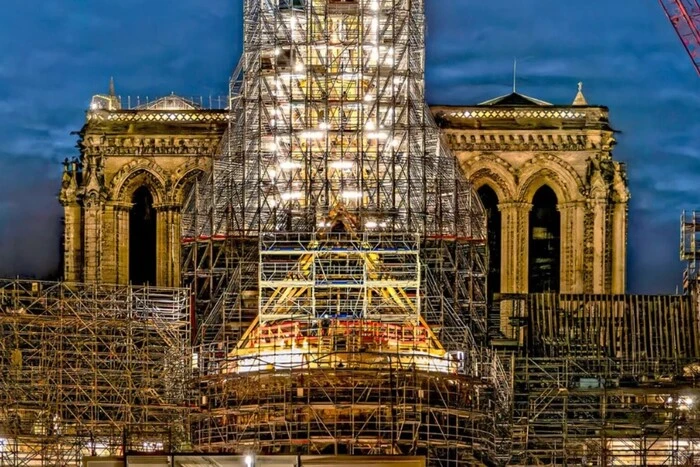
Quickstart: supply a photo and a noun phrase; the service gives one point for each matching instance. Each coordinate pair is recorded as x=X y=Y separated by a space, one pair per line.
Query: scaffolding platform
x=91 y=370
x=604 y=380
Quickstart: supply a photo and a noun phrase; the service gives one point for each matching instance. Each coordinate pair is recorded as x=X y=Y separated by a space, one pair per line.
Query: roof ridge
x=515 y=99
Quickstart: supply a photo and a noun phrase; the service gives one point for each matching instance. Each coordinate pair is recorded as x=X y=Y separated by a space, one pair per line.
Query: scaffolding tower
x=690 y=248
x=337 y=253
x=91 y=370
x=327 y=109
x=340 y=361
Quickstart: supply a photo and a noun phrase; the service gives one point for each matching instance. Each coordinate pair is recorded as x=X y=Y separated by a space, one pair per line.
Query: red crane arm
x=685 y=17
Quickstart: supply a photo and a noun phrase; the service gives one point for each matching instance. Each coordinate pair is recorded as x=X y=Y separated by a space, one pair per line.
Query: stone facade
x=161 y=146
x=515 y=145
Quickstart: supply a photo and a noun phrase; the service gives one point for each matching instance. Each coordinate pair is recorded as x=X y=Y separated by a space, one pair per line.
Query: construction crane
x=685 y=17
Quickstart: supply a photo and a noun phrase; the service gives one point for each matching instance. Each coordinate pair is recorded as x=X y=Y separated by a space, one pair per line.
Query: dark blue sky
x=55 y=54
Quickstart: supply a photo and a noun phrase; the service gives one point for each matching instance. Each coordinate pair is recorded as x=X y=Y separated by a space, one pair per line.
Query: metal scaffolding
x=341 y=361
x=690 y=248
x=91 y=370
x=607 y=380
x=337 y=263
x=353 y=287
x=327 y=110
x=337 y=253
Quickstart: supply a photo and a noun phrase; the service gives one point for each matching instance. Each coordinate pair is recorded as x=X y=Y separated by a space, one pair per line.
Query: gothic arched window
x=544 y=242
x=489 y=199
x=142 y=238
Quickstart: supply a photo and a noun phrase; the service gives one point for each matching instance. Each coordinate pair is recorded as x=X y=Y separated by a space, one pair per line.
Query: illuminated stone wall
x=161 y=146
x=516 y=145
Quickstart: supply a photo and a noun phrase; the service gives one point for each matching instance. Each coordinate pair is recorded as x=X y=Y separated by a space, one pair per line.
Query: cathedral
x=556 y=199
x=324 y=270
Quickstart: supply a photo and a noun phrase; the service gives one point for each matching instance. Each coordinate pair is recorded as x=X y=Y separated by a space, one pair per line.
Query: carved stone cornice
x=141 y=146
x=588 y=114
x=179 y=116
x=534 y=140
x=528 y=118
x=515 y=206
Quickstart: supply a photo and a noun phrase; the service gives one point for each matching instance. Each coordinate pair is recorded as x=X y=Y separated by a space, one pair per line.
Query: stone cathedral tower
x=557 y=199
x=122 y=197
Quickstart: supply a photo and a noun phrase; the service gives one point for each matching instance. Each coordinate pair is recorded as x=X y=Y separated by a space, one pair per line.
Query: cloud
x=29 y=217
x=625 y=52
x=629 y=59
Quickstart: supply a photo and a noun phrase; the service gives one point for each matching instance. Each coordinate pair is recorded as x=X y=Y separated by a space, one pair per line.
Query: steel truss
x=91 y=370
x=685 y=18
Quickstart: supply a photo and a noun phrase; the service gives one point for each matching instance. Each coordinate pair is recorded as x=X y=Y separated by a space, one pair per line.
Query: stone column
x=174 y=235
x=619 y=245
x=122 y=242
x=598 y=207
x=167 y=245
x=92 y=238
x=108 y=266
x=573 y=215
x=514 y=257
x=514 y=246
x=115 y=241
x=72 y=242
x=72 y=223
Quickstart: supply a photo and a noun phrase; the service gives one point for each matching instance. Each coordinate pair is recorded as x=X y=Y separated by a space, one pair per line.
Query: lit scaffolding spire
x=328 y=113
x=331 y=112
x=328 y=116
x=343 y=240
